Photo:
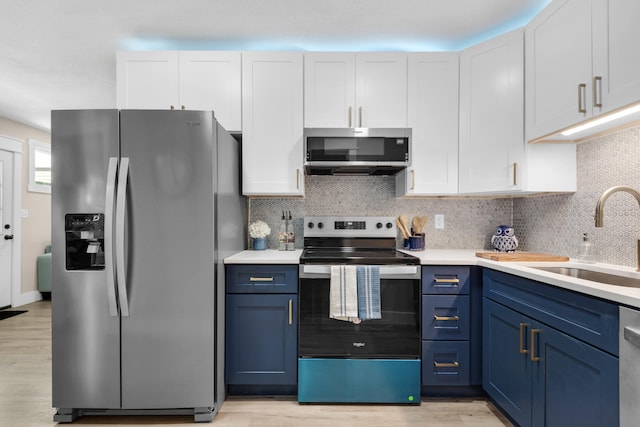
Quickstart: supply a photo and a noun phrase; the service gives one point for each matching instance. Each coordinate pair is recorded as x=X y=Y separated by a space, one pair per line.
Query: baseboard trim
x=28 y=298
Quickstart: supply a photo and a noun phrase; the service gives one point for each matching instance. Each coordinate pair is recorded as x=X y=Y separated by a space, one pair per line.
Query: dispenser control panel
x=84 y=241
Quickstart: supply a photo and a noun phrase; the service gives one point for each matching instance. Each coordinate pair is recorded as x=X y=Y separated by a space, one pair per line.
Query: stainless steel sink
x=594 y=276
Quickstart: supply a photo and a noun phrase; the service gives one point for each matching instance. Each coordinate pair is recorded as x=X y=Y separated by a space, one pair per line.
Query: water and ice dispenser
x=84 y=241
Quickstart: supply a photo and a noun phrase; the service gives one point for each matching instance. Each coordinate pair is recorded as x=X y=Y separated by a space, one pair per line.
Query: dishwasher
x=629 y=367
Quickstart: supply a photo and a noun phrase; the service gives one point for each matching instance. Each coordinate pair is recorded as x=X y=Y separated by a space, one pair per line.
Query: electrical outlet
x=439 y=220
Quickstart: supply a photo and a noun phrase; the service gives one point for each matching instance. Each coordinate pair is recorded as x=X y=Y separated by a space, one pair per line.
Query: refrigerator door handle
x=108 y=236
x=123 y=176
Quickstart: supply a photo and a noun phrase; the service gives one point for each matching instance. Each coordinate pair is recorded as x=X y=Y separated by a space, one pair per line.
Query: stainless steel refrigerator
x=145 y=206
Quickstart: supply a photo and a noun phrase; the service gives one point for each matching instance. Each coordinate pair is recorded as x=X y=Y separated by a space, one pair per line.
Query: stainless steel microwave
x=356 y=151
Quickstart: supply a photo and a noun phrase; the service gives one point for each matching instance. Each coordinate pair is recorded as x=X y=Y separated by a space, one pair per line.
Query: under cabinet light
x=602 y=120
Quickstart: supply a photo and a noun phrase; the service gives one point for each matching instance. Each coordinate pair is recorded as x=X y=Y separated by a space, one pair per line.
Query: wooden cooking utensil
x=402 y=226
x=419 y=222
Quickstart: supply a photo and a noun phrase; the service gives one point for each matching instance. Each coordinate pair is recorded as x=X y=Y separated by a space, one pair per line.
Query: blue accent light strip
x=359 y=381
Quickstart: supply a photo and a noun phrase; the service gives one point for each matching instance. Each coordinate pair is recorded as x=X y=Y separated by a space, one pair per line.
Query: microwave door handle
x=109 y=266
x=123 y=176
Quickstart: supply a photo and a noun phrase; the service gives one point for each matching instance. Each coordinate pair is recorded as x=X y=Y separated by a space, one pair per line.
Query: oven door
x=395 y=336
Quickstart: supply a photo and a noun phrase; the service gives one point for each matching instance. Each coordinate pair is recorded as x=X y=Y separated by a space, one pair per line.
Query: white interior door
x=6 y=226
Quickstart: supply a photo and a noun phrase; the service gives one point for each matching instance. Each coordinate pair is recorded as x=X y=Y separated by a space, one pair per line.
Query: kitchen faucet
x=599 y=216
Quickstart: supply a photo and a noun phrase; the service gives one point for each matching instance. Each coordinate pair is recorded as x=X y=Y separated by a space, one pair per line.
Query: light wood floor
x=25 y=394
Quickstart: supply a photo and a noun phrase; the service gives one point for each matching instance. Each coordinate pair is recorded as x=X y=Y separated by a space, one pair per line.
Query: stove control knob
x=310 y=224
x=379 y=225
x=320 y=225
x=389 y=225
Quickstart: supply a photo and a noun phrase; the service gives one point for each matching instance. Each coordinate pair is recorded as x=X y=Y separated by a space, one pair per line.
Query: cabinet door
x=272 y=100
x=558 y=48
x=147 y=80
x=329 y=89
x=491 y=115
x=433 y=118
x=261 y=339
x=211 y=80
x=573 y=382
x=616 y=40
x=506 y=366
x=381 y=90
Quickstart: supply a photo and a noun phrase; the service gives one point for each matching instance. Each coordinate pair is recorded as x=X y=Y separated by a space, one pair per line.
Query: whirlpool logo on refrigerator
x=358 y=344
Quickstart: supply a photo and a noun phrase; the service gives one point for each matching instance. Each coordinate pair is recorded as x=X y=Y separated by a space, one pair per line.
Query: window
x=39 y=167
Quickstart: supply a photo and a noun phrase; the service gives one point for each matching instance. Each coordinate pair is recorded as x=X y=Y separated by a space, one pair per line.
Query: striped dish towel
x=343 y=293
x=368 y=278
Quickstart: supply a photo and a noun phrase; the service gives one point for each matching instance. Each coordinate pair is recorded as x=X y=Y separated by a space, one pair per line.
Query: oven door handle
x=310 y=271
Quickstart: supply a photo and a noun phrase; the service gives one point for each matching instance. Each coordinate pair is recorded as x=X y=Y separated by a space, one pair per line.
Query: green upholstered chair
x=43 y=267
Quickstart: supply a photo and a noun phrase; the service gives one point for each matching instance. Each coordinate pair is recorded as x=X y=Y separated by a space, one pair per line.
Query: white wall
x=36 y=229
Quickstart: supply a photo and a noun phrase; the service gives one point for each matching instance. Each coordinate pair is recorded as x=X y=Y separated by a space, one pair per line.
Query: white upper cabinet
x=381 y=90
x=212 y=81
x=355 y=90
x=329 y=89
x=616 y=44
x=194 y=80
x=272 y=101
x=580 y=63
x=148 y=80
x=491 y=116
x=433 y=117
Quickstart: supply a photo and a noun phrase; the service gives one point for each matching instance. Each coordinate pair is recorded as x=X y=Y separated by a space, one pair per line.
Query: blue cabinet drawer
x=445 y=363
x=275 y=279
x=445 y=280
x=445 y=317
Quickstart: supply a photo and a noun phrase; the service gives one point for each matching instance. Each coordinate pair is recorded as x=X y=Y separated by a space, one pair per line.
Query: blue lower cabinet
x=261 y=339
x=573 y=383
x=359 y=381
x=445 y=363
x=542 y=377
x=506 y=371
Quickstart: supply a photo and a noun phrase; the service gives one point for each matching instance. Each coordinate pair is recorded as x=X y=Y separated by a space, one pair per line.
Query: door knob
x=8 y=237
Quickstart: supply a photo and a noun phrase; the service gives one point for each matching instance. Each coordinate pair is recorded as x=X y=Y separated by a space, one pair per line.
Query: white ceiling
x=60 y=54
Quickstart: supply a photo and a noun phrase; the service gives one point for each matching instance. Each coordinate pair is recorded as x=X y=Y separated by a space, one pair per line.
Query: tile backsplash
x=469 y=223
x=547 y=223
x=555 y=223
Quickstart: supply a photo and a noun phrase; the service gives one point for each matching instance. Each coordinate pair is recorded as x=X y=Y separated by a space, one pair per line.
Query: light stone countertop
x=268 y=256
x=620 y=294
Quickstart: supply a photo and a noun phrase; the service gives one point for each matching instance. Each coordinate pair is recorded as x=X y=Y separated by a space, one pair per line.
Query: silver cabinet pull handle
x=413 y=179
x=582 y=107
x=515 y=174
x=360 y=116
x=109 y=210
x=291 y=312
x=350 y=116
x=597 y=87
x=121 y=195
x=261 y=279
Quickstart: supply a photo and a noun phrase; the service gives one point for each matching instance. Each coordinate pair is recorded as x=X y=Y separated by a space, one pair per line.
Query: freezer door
x=167 y=337
x=85 y=326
